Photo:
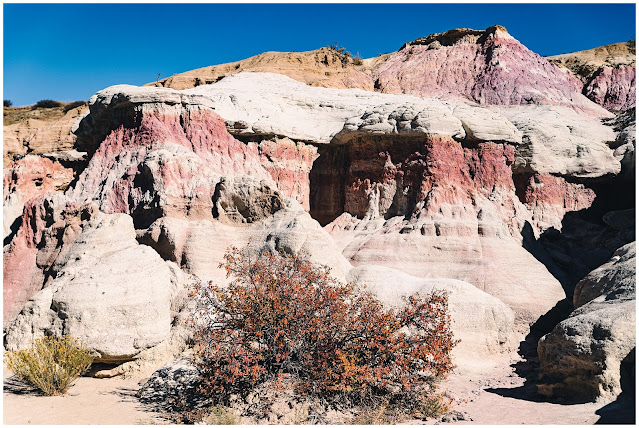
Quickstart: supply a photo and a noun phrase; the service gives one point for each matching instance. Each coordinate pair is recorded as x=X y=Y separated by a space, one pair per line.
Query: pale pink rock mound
x=613 y=87
x=488 y=67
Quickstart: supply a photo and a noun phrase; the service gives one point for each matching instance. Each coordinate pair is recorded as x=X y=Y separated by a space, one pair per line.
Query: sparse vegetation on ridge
x=46 y=104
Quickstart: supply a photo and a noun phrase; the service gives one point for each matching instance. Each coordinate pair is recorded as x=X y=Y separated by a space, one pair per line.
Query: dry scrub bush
x=46 y=104
x=73 y=104
x=52 y=364
x=283 y=318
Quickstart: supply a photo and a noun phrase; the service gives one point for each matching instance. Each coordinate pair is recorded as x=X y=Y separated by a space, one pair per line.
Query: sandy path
x=488 y=394
x=89 y=401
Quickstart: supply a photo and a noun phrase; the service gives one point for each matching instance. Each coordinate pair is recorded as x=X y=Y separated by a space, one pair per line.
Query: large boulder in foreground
x=107 y=290
x=583 y=358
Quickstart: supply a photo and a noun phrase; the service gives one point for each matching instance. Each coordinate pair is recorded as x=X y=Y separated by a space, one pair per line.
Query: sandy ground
x=89 y=401
x=491 y=393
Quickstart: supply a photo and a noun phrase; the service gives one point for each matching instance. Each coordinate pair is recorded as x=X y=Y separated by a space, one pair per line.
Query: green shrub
x=52 y=364
x=46 y=104
x=7 y=103
x=73 y=104
x=219 y=415
x=282 y=318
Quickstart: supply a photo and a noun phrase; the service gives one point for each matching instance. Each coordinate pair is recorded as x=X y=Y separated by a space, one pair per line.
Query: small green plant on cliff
x=7 y=103
x=285 y=321
x=52 y=364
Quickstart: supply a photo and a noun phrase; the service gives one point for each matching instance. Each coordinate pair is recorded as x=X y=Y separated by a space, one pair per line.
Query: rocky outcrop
x=549 y=198
x=625 y=124
x=27 y=178
x=581 y=358
x=102 y=282
x=176 y=140
x=584 y=63
x=31 y=251
x=416 y=193
x=325 y=67
x=559 y=141
x=607 y=72
x=548 y=139
x=613 y=88
x=488 y=67
x=452 y=211
x=30 y=130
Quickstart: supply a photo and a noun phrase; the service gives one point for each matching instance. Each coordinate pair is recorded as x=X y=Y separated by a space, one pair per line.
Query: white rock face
x=110 y=292
x=583 y=356
x=555 y=140
x=551 y=139
x=291 y=229
x=558 y=140
x=496 y=265
x=615 y=278
x=483 y=323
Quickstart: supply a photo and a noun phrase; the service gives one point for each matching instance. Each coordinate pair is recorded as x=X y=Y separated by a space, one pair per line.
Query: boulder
x=104 y=283
x=483 y=323
x=581 y=358
x=613 y=279
x=242 y=199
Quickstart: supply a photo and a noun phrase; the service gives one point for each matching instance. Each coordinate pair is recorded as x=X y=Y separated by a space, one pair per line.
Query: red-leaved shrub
x=282 y=317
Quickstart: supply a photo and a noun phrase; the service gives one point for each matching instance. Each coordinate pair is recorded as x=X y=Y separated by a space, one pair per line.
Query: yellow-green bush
x=52 y=364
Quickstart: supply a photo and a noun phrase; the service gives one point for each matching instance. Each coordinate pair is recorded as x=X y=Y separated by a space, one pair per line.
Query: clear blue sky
x=69 y=51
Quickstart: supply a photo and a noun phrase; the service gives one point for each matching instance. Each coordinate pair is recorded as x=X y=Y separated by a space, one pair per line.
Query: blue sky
x=69 y=51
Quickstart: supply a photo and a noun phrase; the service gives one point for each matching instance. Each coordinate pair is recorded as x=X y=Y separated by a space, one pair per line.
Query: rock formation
x=581 y=359
x=495 y=189
x=40 y=130
x=607 y=72
x=488 y=67
x=28 y=178
x=100 y=283
x=326 y=67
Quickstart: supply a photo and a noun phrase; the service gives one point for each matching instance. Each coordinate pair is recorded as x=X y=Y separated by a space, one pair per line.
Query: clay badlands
x=462 y=162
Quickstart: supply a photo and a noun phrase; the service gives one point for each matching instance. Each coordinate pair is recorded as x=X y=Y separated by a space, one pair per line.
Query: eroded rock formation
x=581 y=358
x=607 y=72
x=470 y=192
